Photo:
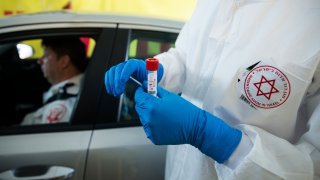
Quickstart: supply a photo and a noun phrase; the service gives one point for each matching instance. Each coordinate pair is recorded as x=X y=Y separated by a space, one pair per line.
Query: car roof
x=13 y=23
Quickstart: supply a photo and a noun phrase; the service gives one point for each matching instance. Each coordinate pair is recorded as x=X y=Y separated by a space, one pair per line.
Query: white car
x=104 y=138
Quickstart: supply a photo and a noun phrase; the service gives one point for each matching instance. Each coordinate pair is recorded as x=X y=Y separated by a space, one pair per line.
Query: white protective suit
x=254 y=64
x=59 y=110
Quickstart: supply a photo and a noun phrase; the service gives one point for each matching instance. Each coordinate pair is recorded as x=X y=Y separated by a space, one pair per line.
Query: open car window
x=24 y=85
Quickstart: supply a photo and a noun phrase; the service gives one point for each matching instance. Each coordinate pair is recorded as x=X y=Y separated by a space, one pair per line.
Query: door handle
x=38 y=172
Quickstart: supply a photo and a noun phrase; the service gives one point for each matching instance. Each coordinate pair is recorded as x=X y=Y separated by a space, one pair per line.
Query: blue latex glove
x=117 y=76
x=170 y=120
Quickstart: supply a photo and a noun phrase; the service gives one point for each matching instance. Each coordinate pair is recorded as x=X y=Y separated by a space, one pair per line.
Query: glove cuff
x=216 y=138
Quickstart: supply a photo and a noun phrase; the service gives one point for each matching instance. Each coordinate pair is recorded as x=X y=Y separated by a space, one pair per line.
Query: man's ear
x=64 y=61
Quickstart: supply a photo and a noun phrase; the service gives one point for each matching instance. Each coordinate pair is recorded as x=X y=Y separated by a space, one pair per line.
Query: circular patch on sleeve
x=266 y=87
x=56 y=113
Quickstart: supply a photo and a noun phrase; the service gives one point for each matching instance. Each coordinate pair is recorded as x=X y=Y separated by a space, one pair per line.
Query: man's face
x=50 y=65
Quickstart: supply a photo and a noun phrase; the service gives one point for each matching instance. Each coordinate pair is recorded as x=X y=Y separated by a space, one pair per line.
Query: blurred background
x=167 y=9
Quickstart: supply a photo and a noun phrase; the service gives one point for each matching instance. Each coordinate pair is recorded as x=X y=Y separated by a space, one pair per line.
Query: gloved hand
x=117 y=76
x=170 y=120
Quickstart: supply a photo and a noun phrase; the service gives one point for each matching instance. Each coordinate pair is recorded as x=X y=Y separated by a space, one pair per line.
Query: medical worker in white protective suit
x=248 y=73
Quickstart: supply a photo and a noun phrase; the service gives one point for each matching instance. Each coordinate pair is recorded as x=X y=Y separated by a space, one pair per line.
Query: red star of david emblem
x=266 y=87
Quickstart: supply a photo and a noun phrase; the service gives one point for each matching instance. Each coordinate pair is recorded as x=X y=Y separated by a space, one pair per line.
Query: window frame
x=96 y=59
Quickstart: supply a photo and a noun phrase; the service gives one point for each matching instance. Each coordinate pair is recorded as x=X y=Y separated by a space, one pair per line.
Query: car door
x=119 y=149
x=47 y=151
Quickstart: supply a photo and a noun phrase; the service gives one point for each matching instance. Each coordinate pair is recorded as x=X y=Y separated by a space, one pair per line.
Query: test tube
x=152 y=67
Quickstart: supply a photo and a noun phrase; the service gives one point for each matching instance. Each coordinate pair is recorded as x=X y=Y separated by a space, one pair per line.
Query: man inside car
x=63 y=64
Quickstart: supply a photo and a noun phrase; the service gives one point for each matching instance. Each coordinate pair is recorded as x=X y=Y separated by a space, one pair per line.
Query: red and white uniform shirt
x=57 y=111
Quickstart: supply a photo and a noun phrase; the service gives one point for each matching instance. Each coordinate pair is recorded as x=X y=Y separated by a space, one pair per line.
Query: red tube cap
x=152 y=64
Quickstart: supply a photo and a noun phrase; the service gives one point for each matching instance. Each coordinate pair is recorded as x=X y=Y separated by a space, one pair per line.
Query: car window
x=25 y=93
x=145 y=44
x=142 y=45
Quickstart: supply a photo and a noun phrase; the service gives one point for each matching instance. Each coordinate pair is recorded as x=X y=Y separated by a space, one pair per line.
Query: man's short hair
x=71 y=46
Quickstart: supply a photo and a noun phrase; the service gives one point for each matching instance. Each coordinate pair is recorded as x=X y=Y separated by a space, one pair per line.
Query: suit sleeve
x=272 y=157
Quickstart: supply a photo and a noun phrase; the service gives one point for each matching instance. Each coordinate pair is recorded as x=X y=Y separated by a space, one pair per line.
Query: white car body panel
x=43 y=149
x=132 y=145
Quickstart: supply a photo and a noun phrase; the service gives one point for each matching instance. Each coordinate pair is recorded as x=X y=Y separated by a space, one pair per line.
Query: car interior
x=23 y=84
x=22 y=81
